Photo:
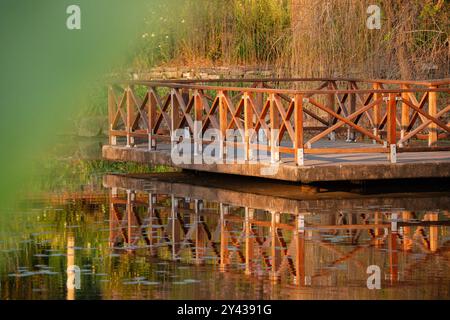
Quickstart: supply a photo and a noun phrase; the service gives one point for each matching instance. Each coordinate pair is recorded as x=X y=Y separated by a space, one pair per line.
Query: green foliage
x=303 y=38
x=237 y=31
x=75 y=175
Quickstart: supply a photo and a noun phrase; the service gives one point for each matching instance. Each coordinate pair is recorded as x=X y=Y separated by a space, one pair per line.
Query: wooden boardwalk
x=343 y=129
x=324 y=167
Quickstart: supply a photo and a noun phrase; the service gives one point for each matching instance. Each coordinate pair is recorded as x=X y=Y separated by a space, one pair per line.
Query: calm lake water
x=183 y=236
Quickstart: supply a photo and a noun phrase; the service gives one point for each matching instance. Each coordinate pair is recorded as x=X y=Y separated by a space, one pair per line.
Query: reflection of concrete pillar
x=275 y=254
x=223 y=238
x=394 y=222
x=249 y=216
x=70 y=263
x=434 y=232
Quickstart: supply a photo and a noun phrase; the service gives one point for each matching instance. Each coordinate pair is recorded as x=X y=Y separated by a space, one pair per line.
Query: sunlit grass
x=76 y=175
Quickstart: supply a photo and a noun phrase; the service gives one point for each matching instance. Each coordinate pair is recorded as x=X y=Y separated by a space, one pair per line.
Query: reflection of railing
x=260 y=242
x=386 y=112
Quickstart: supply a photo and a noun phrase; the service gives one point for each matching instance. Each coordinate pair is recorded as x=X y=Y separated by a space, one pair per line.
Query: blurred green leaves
x=46 y=71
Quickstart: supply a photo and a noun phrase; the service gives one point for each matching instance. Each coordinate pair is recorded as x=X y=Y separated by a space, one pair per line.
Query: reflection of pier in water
x=272 y=231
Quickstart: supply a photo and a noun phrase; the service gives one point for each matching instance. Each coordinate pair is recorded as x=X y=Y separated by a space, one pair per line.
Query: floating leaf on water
x=191 y=281
x=101 y=274
x=72 y=227
x=150 y=283
x=48 y=272
x=23 y=274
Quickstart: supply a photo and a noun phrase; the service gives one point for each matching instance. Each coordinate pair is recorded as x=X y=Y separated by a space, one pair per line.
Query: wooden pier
x=302 y=130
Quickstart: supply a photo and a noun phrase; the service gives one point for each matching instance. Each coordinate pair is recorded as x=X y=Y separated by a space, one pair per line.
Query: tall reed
x=301 y=37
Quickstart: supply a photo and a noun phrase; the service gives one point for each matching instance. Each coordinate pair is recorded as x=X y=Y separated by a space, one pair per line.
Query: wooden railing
x=391 y=116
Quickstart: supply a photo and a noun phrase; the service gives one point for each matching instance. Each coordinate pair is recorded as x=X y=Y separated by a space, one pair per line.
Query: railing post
x=405 y=113
x=111 y=108
x=331 y=106
x=223 y=123
x=174 y=117
x=151 y=120
x=248 y=118
x=392 y=130
x=129 y=129
x=376 y=111
x=298 y=118
x=351 y=134
x=198 y=139
x=274 y=129
x=432 y=110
